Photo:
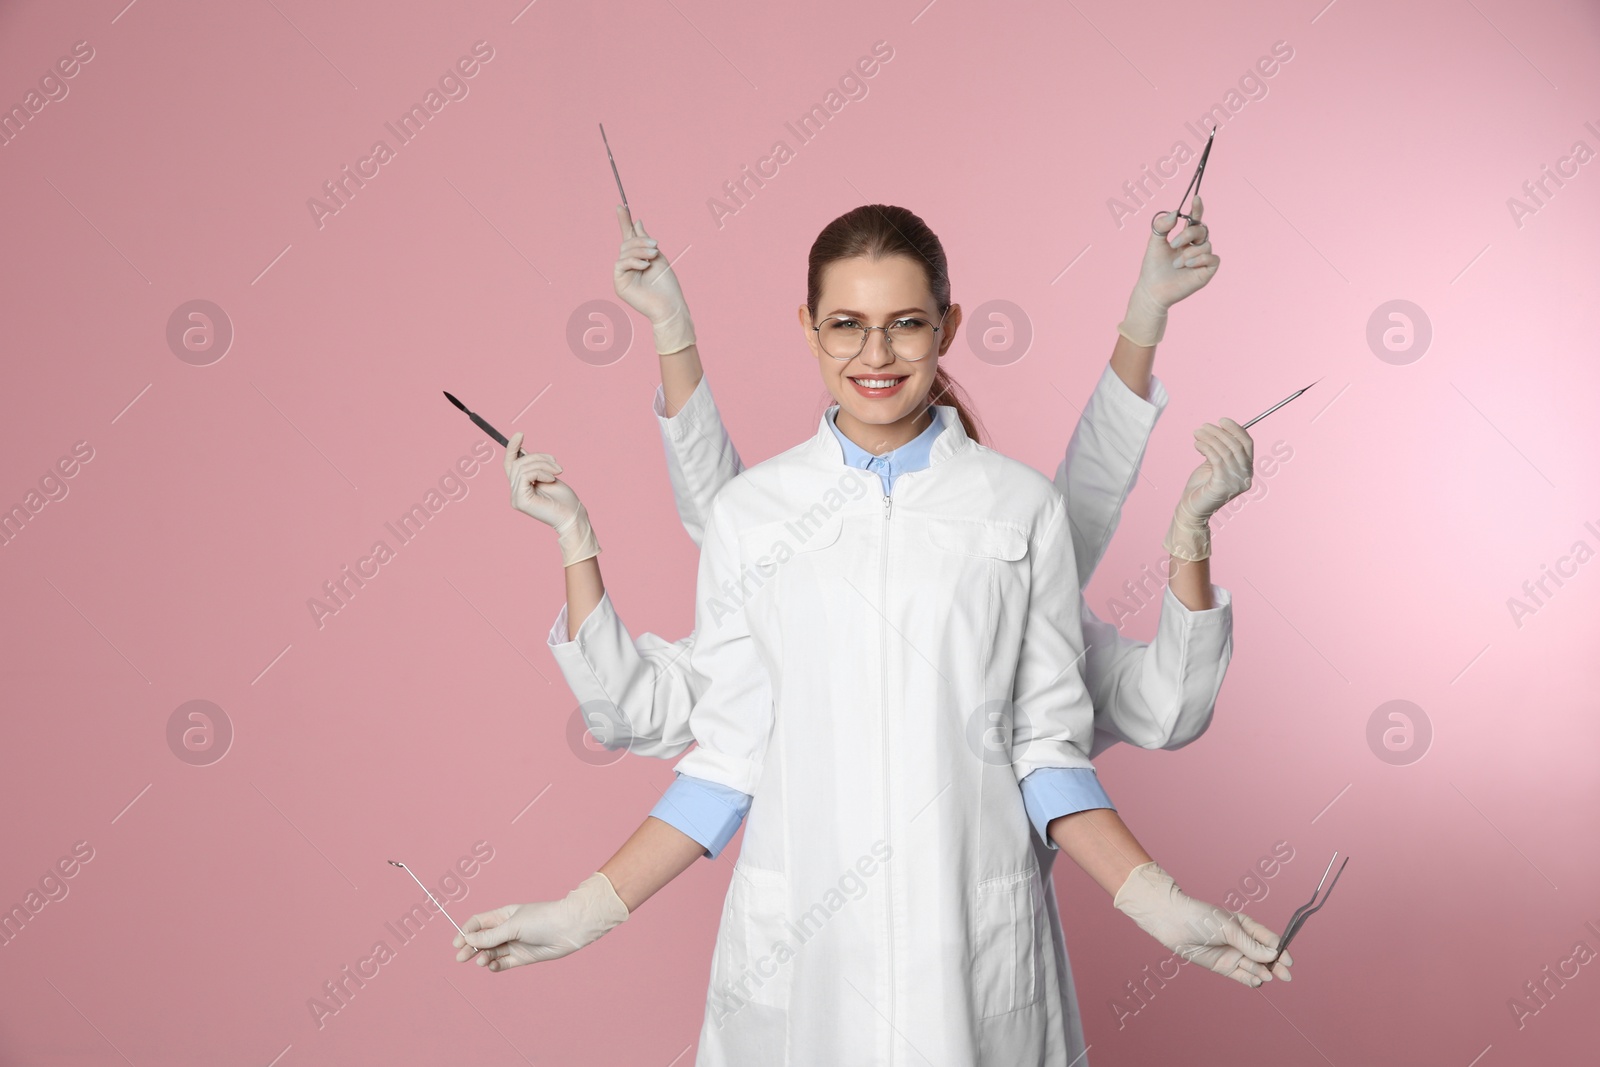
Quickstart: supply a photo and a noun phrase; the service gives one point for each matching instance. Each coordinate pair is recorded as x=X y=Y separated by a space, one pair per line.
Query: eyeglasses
x=909 y=337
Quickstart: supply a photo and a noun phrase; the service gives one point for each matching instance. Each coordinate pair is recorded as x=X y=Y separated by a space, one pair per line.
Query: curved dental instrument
x=436 y=903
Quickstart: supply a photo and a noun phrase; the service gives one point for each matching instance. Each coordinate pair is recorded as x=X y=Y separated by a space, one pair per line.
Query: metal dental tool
x=486 y=428
x=1261 y=416
x=614 y=173
x=1194 y=185
x=436 y=904
x=1304 y=911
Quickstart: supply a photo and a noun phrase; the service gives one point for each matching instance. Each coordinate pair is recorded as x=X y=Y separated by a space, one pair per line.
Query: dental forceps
x=1194 y=186
x=1306 y=910
x=446 y=914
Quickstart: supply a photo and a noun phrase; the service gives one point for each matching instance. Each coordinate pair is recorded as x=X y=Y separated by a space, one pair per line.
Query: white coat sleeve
x=1052 y=718
x=733 y=718
x=1159 y=695
x=701 y=458
x=1102 y=463
x=635 y=694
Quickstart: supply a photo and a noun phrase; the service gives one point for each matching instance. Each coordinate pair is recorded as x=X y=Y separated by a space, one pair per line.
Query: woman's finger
x=1238 y=451
x=1193 y=234
x=624 y=220
x=513 y=448
x=537 y=471
x=544 y=458
x=1214 y=458
x=1243 y=444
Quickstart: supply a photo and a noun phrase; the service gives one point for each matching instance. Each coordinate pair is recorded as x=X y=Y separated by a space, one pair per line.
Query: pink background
x=427 y=715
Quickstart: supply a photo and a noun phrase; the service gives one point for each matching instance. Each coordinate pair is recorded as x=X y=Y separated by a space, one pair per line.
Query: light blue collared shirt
x=911 y=456
x=711 y=813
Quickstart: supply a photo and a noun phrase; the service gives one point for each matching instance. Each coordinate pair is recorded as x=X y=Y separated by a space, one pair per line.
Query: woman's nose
x=876 y=352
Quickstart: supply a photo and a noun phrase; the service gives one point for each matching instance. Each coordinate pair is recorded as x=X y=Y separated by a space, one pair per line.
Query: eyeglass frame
x=867 y=330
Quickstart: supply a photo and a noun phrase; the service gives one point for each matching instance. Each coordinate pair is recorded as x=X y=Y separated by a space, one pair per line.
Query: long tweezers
x=1310 y=907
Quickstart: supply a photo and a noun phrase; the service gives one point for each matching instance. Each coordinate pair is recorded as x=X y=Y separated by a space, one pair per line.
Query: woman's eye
x=906 y=324
x=844 y=324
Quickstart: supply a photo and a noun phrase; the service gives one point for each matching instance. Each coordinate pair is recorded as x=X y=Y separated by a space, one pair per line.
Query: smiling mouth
x=875 y=384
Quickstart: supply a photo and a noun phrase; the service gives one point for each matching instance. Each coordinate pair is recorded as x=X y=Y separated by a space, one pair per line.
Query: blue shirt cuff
x=706 y=811
x=1051 y=792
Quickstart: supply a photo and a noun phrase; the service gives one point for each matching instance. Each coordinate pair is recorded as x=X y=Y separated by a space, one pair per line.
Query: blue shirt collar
x=914 y=455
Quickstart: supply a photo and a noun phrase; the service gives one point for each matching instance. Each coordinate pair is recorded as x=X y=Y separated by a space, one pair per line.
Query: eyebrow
x=862 y=315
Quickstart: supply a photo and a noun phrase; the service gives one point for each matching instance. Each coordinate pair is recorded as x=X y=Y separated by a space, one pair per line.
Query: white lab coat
x=638 y=692
x=887 y=905
x=1161 y=695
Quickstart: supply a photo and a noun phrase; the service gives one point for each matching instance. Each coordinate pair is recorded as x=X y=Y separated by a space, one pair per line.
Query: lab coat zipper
x=883 y=719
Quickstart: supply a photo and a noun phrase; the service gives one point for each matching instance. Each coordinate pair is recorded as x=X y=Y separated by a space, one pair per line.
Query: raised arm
x=701 y=458
x=1163 y=694
x=637 y=693
x=1160 y=694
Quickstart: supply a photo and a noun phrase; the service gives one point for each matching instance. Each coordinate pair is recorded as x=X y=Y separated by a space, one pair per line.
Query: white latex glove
x=643 y=278
x=1169 y=273
x=1229 y=452
x=547 y=930
x=536 y=492
x=1230 y=944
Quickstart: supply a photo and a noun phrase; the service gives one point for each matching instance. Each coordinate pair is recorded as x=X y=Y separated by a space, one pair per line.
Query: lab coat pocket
x=775 y=550
x=968 y=568
x=757 y=957
x=975 y=538
x=1007 y=923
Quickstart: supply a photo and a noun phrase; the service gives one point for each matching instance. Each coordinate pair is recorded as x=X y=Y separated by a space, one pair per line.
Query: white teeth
x=877 y=383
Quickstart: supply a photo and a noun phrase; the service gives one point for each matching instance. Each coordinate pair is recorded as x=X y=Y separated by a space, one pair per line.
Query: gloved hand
x=536 y=492
x=1226 y=473
x=547 y=930
x=643 y=278
x=1231 y=944
x=1169 y=273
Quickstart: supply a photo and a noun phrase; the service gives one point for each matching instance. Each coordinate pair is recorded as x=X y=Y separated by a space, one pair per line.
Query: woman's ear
x=811 y=335
x=951 y=327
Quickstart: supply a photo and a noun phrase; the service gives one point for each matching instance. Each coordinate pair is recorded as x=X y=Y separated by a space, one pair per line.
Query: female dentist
x=637 y=692
x=816 y=609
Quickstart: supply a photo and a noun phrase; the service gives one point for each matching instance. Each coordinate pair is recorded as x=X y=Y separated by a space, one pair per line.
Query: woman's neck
x=879 y=438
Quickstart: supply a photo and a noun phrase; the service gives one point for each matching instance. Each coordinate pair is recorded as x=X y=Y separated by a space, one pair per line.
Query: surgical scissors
x=1305 y=911
x=1194 y=186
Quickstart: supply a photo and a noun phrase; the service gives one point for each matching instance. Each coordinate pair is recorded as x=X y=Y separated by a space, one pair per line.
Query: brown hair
x=878 y=230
